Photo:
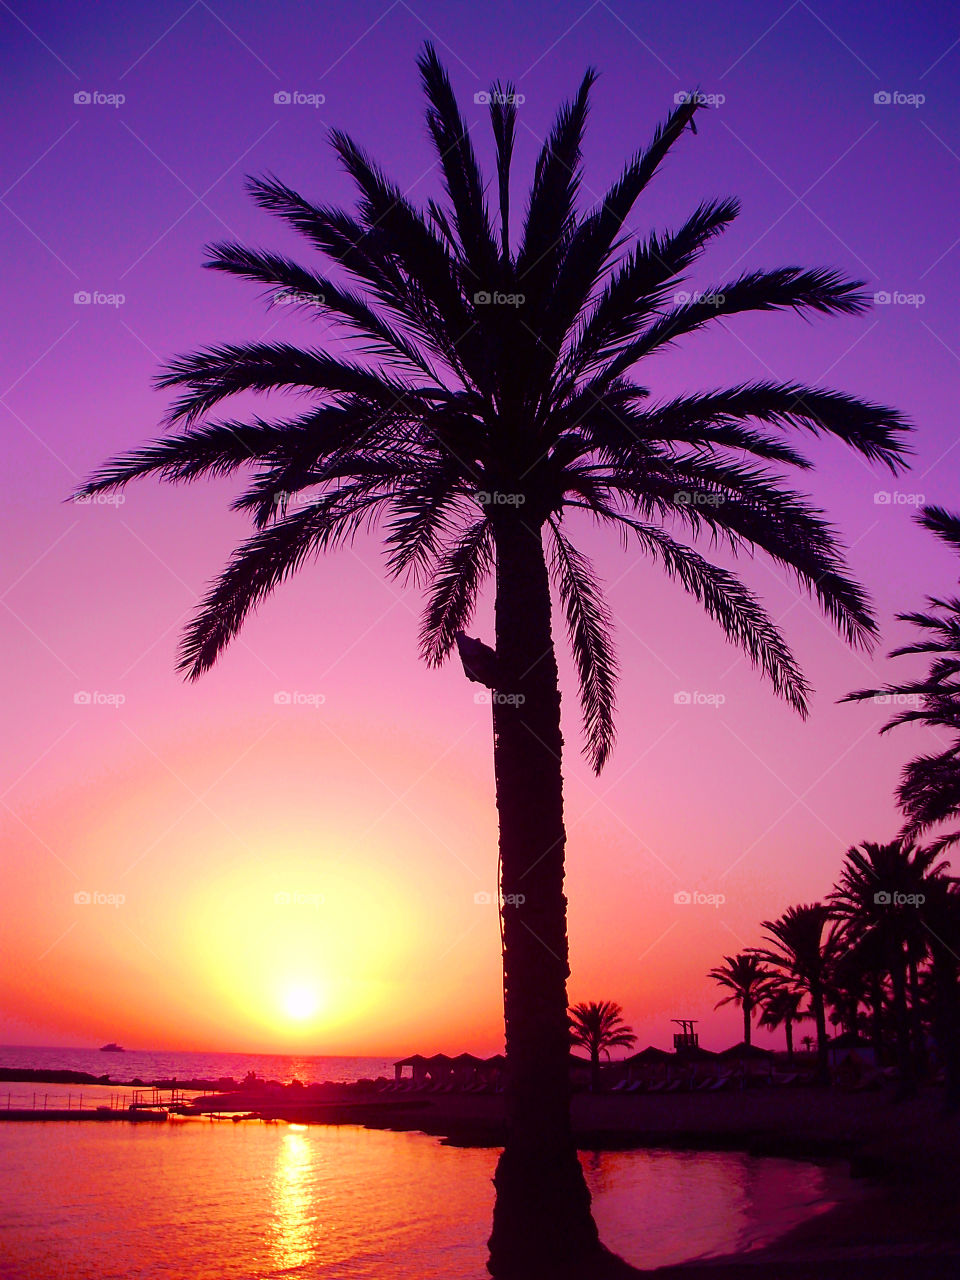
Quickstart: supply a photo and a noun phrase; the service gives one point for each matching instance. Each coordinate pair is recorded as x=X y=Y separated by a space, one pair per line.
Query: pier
x=137 y=1106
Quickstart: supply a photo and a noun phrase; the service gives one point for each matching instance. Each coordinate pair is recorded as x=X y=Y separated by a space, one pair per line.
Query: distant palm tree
x=494 y=413
x=881 y=892
x=746 y=978
x=598 y=1027
x=929 y=791
x=801 y=952
x=782 y=1006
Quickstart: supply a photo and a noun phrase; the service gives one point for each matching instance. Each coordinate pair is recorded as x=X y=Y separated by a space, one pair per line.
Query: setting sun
x=301 y=1002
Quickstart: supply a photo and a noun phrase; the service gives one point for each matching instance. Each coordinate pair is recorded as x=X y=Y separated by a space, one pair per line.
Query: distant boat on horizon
x=112 y=1047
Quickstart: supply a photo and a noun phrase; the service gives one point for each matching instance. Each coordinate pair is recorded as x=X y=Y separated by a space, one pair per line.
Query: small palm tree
x=782 y=1006
x=929 y=791
x=800 y=951
x=598 y=1027
x=494 y=411
x=746 y=978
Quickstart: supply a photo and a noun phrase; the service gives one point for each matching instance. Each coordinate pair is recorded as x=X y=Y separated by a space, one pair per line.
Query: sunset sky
x=301 y=872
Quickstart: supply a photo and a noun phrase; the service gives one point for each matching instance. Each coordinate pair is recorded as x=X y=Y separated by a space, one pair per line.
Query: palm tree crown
x=498 y=378
x=746 y=978
x=598 y=1027
x=881 y=887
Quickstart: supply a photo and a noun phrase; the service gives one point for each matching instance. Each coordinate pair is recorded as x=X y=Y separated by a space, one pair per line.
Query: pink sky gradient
x=200 y=803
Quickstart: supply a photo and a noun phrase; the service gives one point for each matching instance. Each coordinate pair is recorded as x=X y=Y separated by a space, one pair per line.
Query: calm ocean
x=149 y=1065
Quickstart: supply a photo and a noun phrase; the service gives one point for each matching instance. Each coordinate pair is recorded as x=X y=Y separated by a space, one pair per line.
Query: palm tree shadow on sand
x=495 y=413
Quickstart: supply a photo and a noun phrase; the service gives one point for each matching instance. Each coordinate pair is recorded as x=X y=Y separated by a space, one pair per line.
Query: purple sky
x=187 y=801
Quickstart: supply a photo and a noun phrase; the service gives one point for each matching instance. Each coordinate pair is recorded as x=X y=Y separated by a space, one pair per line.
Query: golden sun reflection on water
x=296 y=1229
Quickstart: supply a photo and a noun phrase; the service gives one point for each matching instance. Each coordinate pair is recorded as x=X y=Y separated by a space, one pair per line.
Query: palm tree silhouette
x=881 y=891
x=746 y=979
x=598 y=1027
x=494 y=410
x=782 y=1007
x=929 y=791
x=802 y=954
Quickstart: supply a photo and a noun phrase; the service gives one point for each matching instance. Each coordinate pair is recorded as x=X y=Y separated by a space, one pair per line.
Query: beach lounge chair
x=721 y=1082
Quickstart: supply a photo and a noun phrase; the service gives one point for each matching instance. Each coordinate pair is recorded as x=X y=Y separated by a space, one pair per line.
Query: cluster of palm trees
x=880 y=957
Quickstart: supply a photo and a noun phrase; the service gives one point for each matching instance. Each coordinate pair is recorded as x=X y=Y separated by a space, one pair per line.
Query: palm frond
x=215 y=373
x=941 y=522
x=503 y=119
x=781 y=289
x=262 y=562
x=589 y=624
x=461 y=172
x=740 y=615
x=453 y=591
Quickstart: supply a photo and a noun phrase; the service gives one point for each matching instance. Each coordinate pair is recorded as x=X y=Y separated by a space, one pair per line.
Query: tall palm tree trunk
x=788 y=1028
x=876 y=1013
x=542 y=1221
x=747 y=1011
x=820 y=1018
x=901 y=1018
x=917 y=1038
